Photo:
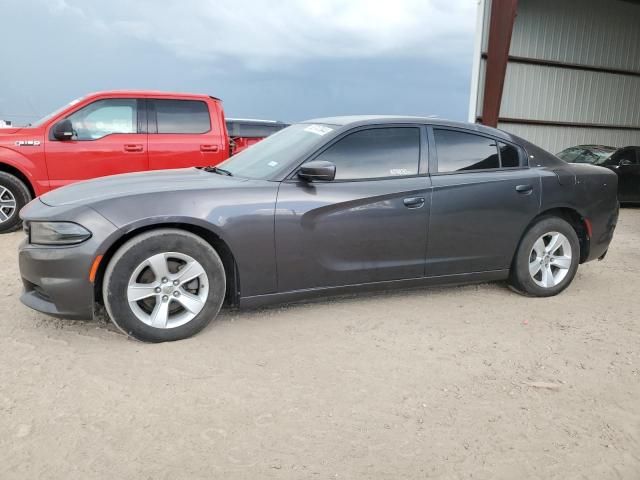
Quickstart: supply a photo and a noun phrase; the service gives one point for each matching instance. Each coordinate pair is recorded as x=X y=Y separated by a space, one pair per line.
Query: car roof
x=600 y=147
x=359 y=120
x=150 y=93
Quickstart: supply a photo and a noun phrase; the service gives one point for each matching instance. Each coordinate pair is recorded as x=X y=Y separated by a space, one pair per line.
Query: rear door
x=183 y=134
x=484 y=195
x=109 y=138
x=367 y=225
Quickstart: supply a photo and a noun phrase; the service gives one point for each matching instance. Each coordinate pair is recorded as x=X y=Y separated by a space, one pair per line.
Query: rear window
x=182 y=116
x=509 y=156
x=459 y=151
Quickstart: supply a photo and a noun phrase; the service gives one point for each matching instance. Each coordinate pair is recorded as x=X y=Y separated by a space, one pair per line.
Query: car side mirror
x=63 y=130
x=624 y=162
x=317 y=170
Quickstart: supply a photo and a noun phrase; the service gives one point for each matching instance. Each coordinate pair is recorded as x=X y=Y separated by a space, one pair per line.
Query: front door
x=484 y=196
x=368 y=225
x=106 y=141
x=626 y=164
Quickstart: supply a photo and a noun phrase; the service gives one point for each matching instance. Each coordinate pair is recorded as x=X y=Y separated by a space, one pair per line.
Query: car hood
x=118 y=186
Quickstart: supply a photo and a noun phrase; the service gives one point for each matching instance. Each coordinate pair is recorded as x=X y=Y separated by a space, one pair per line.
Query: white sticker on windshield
x=272 y=164
x=318 y=129
x=399 y=171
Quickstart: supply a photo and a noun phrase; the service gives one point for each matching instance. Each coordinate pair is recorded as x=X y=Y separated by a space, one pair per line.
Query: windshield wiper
x=218 y=170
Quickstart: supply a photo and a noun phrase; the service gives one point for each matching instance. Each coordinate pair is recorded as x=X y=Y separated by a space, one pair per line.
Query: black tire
x=16 y=189
x=132 y=254
x=521 y=280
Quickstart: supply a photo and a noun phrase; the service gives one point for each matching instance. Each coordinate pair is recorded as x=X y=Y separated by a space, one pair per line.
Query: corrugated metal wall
x=539 y=92
x=594 y=33
x=555 y=139
x=602 y=33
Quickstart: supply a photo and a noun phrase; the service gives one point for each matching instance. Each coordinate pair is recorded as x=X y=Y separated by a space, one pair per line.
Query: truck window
x=181 y=116
x=105 y=117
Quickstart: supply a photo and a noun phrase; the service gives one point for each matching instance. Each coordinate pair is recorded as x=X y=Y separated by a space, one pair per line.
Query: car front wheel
x=547 y=258
x=164 y=285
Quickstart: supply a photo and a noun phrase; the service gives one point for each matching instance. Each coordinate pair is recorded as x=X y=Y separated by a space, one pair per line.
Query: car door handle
x=413 y=202
x=209 y=148
x=133 y=147
x=524 y=189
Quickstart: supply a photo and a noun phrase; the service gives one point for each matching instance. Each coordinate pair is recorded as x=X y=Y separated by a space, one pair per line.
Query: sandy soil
x=468 y=382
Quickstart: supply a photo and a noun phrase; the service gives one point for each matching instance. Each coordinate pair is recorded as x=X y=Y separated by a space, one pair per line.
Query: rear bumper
x=604 y=225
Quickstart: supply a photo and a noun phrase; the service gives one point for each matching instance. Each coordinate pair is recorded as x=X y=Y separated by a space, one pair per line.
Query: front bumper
x=56 y=278
x=56 y=281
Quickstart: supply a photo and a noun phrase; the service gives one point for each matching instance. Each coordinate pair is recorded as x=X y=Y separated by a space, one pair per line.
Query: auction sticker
x=318 y=129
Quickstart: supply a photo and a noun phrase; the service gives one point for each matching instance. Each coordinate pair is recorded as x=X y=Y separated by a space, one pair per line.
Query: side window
x=459 y=151
x=182 y=116
x=375 y=153
x=509 y=155
x=628 y=154
x=105 y=117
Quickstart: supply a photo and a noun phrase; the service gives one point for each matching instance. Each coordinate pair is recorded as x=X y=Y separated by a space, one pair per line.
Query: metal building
x=559 y=72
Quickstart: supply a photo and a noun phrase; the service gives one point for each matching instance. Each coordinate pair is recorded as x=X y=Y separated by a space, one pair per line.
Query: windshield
x=594 y=155
x=55 y=112
x=276 y=152
x=600 y=156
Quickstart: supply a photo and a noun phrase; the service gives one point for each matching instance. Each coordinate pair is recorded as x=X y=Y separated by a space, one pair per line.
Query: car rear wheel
x=13 y=196
x=547 y=258
x=164 y=285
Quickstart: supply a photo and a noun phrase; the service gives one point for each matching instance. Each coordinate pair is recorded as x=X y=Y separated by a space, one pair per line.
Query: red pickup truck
x=108 y=133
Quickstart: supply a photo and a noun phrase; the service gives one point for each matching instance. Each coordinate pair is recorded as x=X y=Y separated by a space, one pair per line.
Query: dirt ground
x=462 y=382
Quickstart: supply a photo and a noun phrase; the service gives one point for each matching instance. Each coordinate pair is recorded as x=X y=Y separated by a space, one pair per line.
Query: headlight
x=57 y=233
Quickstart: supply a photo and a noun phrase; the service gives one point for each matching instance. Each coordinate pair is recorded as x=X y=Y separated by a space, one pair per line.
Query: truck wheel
x=164 y=285
x=13 y=196
x=547 y=258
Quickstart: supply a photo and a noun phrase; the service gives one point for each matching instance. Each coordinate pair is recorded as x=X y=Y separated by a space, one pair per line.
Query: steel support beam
x=503 y=15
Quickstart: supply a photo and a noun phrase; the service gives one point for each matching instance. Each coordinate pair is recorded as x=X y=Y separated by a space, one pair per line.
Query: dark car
x=625 y=162
x=322 y=207
x=245 y=132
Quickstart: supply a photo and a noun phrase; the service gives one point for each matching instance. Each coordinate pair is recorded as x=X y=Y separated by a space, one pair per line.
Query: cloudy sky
x=285 y=59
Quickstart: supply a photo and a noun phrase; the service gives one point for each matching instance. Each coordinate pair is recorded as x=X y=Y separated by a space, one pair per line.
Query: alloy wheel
x=168 y=290
x=550 y=259
x=8 y=204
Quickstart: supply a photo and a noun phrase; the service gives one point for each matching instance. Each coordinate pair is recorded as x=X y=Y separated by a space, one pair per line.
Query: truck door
x=109 y=138
x=182 y=133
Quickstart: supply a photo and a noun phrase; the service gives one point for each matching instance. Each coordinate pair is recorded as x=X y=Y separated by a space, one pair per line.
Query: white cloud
x=262 y=33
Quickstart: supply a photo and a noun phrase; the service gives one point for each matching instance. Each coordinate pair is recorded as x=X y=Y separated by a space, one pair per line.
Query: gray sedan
x=322 y=207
